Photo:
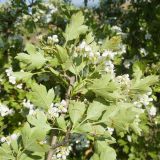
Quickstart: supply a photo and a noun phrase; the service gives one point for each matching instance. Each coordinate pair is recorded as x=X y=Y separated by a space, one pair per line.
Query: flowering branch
x=54 y=137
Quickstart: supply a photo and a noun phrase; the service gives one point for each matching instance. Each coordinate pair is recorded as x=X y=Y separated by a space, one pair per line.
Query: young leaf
x=75 y=27
x=76 y=111
x=30 y=48
x=143 y=85
x=95 y=110
x=40 y=97
x=22 y=75
x=32 y=60
x=61 y=123
x=108 y=154
x=104 y=88
x=39 y=119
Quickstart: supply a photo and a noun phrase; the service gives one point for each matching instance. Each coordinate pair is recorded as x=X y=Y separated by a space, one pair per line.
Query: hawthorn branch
x=54 y=143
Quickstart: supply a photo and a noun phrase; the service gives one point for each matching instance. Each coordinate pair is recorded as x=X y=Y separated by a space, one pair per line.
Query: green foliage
x=81 y=90
x=40 y=97
x=75 y=28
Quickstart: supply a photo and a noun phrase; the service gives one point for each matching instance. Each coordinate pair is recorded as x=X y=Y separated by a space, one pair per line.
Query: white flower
x=109 y=54
x=129 y=138
x=145 y=100
x=3 y=139
x=52 y=39
x=61 y=153
x=12 y=79
x=4 y=110
x=148 y=36
x=88 y=48
x=127 y=63
x=152 y=111
x=82 y=45
x=143 y=52
x=28 y=104
x=9 y=71
x=19 y=86
x=109 y=67
x=110 y=130
x=53 y=111
x=14 y=136
x=116 y=29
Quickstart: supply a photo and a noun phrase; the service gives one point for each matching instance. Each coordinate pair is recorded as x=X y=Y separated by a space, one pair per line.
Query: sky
x=76 y=2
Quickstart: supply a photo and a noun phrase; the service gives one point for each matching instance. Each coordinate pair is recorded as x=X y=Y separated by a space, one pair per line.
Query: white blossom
x=56 y=109
x=52 y=39
x=108 y=53
x=116 y=29
x=129 y=138
x=127 y=64
x=4 y=110
x=109 y=67
x=9 y=72
x=61 y=153
x=29 y=105
x=110 y=130
x=143 y=52
x=152 y=111
x=148 y=36
x=10 y=138
x=19 y=86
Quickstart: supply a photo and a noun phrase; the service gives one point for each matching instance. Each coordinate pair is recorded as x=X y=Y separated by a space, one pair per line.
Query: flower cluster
x=143 y=99
x=9 y=72
x=56 y=109
x=52 y=39
x=109 y=67
x=4 y=110
x=27 y=104
x=12 y=78
x=79 y=141
x=51 y=9
x=61 y=153
x=124 y=81
x=152 y=111
x=10 y=138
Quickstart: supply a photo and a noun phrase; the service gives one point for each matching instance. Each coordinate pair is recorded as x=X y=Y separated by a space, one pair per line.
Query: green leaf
x=39 y=119
x=95 y=110
x=61 y=54
x=75 y=27
x=89 y=38
x=120 y=116
x=105 y=88
x=6 y=152
x=30 y=48
x=33 y=138
x=40 y=97
x=61 y=123
x=95 y=157
x=76 y=111
x=22 y=75
x=143 y=85
x=112 y=44
x=84 y=128
x=31 y=61
x=105 y=151
x=108 y=154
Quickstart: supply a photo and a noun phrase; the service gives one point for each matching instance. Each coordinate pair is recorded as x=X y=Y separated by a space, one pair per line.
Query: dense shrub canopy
x=79 y=83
